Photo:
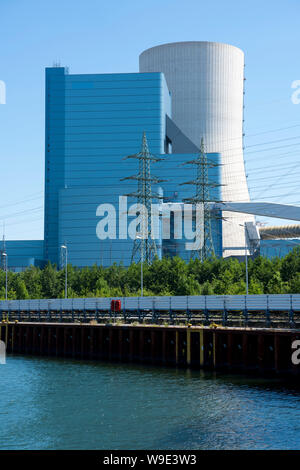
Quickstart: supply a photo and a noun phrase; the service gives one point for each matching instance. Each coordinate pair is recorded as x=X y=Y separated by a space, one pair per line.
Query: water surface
x=69 y=404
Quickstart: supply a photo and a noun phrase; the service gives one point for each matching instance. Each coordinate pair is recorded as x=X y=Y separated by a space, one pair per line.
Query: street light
x=6 y=261
x=64 y=247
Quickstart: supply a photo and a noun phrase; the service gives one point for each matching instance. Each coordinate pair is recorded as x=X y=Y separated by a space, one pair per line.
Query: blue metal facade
x=278 y=248
x=78 y=205
x=92 y=123
x=24 y=253
x=54 y=156
x=175 y=172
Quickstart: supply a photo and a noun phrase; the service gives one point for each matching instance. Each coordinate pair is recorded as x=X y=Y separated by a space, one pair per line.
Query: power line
x=21 y=212
x=23 y=201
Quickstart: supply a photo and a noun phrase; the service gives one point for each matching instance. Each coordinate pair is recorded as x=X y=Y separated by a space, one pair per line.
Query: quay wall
x=261 y=350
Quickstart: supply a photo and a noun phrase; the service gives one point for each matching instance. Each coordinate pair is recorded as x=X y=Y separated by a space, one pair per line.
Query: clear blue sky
x=95 y=36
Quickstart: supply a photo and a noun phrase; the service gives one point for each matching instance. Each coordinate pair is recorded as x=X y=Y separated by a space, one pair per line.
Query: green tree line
x=169 y=276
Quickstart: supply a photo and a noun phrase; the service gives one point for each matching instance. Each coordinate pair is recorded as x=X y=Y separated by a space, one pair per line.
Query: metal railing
x=242 y=319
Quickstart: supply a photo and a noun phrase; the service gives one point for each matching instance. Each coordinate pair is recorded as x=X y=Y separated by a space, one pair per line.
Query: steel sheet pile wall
x=243 y=350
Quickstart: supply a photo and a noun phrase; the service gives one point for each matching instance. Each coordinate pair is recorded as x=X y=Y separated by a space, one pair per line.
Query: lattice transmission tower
x=202 y=200
x=144 y=247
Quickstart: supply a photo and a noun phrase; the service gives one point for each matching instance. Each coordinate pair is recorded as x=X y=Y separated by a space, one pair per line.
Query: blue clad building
x=91 y=123
x=24 y=253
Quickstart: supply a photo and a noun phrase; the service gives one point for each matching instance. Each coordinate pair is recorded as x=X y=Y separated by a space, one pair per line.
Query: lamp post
x=142 y=275
x=64 y=247
x=5 y=261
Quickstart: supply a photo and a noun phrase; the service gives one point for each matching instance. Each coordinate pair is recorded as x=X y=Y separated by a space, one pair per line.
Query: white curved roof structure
x=265 y=209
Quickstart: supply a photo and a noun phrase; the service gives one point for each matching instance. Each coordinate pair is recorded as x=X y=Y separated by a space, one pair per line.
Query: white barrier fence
x=250 y=303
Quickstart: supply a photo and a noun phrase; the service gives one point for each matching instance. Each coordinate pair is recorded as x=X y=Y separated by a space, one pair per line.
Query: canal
x=49 y=403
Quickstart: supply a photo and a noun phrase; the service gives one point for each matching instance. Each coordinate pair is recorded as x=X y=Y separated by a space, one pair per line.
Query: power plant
x=206 y=81
x=184 y=94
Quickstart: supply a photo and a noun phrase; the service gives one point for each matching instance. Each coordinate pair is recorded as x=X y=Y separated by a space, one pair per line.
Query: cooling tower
x=206 y=81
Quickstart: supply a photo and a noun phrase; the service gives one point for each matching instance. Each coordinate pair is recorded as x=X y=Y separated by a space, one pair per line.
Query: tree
x=49 y=282
x=290 y=265
x=207 y=289
x=294 y=286
x=102 y=289
x=168 y=276
x=21 y=289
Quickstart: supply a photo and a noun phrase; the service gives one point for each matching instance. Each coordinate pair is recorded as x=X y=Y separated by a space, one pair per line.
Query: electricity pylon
x=144 y=247
x=202 y=198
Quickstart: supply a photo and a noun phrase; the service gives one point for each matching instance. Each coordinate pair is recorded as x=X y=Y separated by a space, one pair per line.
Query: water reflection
x=71 y=404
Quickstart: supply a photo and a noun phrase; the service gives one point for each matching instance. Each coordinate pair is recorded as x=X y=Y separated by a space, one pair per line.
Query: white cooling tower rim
x=183 y=43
